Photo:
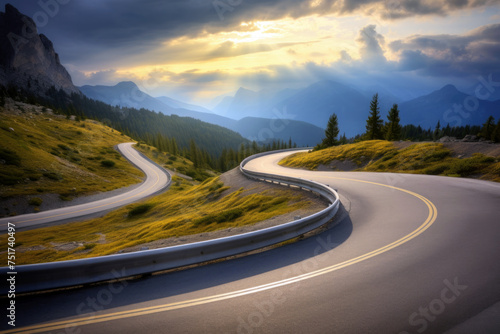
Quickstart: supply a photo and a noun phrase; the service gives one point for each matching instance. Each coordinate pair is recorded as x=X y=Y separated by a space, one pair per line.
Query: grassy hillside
x=384 y=156
x=175 y=163
x=185 y=209
x=43 y=153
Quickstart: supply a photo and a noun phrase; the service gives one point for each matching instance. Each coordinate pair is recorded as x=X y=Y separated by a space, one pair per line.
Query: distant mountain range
x=448 y=106
x=265 y=130
x=315 y=103
x=128 y=94
x=247 y=103
x=306 y=111
x=176 y=104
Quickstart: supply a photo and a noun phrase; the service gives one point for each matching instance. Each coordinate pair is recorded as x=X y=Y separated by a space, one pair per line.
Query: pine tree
x=392 y=127
x=223 y=160
x=193 y=153
x=332 y=131
x=343 y=139
x=248 y=150
x=241 y=152
x=447 y=130
x=175 y=148
x=204 y=159
x=488 y=128
x=374 y=124
x=437 y=132
x=231 y=159
x=255 y=147
x=495 y=136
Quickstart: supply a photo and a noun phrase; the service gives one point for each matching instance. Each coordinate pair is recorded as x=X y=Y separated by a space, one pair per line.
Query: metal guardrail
x=44 y=276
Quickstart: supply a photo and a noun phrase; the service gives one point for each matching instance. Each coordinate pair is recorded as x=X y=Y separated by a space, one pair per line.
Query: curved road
x=409 y=254
x=156 y=180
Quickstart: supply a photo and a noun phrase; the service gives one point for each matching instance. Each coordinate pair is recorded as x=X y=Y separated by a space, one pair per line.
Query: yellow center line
x=99 y=206
x=431 y=218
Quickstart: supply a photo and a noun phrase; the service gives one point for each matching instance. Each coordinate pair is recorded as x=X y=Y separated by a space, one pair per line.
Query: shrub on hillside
x=219 y=217
x=10 y=157
x=107 y=163
x=35 y=201
x=140 y=209
x=53 y=176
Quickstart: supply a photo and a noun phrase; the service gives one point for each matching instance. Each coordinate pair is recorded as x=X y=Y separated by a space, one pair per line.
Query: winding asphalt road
x=409 y=254
x=155 y=181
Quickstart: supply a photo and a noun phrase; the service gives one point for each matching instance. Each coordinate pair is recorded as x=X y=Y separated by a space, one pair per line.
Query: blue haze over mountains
x=305 y=112
x=128 y=94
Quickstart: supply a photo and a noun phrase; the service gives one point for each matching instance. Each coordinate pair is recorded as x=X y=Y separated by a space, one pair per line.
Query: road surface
x=410 y=254
x=156 y=179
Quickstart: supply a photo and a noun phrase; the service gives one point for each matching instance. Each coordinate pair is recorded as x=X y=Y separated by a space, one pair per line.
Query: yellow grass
x=383 y=156
x=359 y=153
x=183 y=210
x=58 y=155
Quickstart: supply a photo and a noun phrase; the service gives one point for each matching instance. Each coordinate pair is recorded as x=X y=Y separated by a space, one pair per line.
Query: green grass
x=185 y=209
x=383 y=156
x=43 y=153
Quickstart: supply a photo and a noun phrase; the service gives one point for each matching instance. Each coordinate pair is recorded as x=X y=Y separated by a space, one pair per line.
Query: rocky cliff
x=28 y=59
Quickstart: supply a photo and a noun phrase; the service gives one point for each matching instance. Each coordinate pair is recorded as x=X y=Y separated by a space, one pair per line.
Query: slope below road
x=156 y=180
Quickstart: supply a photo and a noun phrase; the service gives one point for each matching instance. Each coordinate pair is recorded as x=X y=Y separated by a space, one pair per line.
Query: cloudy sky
x=195 y=50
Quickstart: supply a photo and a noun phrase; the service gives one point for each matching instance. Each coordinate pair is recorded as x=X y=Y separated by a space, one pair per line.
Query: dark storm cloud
x=396 y=9
x=82 y=29
x=457 y=55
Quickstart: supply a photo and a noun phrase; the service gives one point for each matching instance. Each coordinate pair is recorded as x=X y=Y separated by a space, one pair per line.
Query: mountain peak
x=28 y=60
x=246 y=95
x=244 y=91
x=11 y=10
x=126 y=85
x=449 y=89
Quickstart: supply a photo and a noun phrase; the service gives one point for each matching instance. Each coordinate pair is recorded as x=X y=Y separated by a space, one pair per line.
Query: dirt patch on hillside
x=467 y=149
x=236 y=180
x=403 y=144
x=340 y=165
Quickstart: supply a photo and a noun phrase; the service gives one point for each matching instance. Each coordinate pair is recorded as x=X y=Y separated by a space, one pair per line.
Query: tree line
x=392 y=130
x=226 y=160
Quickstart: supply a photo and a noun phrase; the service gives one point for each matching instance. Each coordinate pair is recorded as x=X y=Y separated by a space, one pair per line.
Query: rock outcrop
x=28 y=59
